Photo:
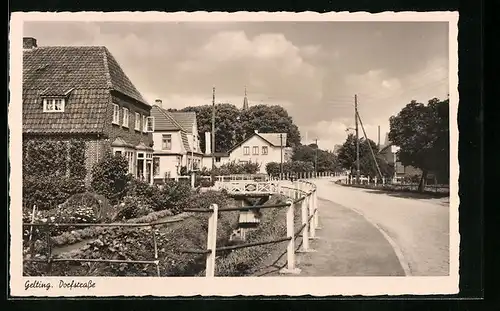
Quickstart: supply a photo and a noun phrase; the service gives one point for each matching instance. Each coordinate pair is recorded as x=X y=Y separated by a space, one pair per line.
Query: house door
x=140 y=169
x=148 y=171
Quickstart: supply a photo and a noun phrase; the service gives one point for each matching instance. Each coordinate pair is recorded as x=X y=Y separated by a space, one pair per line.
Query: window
x=150 y=124
x=116 y=114
x=166 y=142
x=217 y=159
x=137 y=121
x=130 y=158
x=53 y=104
x=246 y=150
x=264 y=149
x=118 y=153
x=125 y=117
x=255 y=150
x=156 y=166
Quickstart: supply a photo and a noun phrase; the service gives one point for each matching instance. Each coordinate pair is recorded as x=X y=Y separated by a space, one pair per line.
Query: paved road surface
x=418 y=228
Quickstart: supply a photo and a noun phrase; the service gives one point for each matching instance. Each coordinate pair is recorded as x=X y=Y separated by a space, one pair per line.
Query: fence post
x=290 y=251
x=305 y=221
x=192 y=179
x=316 y=211
x=211 y=241
x=312 y=222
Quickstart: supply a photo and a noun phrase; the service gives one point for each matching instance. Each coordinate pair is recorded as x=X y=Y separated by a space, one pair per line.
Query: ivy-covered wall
x=53 y=170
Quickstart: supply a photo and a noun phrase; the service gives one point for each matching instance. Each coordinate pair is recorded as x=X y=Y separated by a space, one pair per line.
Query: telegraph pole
x=213 y=127
x=281 y=160
x=357 y=137
x=316 y=159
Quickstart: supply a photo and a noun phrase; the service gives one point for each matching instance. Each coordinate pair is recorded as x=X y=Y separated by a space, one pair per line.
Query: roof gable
x=186 y=119
x=164 y=121
x=274 y=139
x=84 y=75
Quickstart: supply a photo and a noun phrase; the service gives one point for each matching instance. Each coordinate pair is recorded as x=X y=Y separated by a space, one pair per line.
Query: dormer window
x=53 y=104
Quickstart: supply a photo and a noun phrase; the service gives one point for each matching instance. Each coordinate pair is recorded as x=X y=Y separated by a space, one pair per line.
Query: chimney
x=158 y=103
x=208 y=144
x=29 y=43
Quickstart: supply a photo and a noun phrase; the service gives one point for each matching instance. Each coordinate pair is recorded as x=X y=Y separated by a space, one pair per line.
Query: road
x=417 y=228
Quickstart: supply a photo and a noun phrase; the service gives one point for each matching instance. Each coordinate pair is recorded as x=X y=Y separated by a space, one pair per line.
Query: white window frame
x=126 y=117
x=52 y=101
x=143 y=124
x=137 y=121
x=116 y=114
x=246 y=150
x=150 y=124
x=266 y=150
x=163 y=137
x=255 y=150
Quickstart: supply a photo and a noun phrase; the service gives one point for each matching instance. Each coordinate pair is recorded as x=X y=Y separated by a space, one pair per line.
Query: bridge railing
x=301 y=195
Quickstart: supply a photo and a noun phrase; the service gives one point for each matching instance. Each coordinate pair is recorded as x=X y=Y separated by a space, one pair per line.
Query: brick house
x=81 y=92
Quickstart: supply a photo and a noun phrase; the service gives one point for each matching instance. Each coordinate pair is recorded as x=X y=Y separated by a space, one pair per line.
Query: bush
x=236 y=168
x=49 y=191
x=132 y=207
x=110 y=177
x=138 y=244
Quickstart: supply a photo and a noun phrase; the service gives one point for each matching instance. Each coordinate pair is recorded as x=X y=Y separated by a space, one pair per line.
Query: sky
x=313 y=69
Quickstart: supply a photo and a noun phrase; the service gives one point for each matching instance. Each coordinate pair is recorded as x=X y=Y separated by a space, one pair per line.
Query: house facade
x=259 y=148
x=73 y=92
x=176 y=142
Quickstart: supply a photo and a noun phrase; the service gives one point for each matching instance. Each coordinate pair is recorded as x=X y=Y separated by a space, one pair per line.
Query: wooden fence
x=301 y=194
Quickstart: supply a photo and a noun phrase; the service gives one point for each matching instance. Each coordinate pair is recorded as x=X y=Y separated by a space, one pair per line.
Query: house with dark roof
x=259 y=148
x=176 y=142
x=81 y=92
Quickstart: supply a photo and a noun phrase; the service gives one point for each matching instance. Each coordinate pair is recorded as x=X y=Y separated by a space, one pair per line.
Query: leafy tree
x=422 y=133
x=273 y=168
x=347 y=153
x=233 y=125
x=326 y=161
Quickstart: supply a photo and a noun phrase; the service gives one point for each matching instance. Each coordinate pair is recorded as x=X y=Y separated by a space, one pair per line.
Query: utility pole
x=213 y=127
x=378 y=143
x=281 y=160
x=316 y=159
x=357 y=137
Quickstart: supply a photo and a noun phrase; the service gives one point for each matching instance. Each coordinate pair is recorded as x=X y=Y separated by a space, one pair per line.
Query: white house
x=175 y=142
x=259 y=147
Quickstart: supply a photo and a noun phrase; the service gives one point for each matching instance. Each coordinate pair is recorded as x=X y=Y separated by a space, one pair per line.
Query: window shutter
x=150 y=124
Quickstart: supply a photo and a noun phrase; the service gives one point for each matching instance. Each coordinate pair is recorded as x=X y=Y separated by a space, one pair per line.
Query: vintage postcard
x=224 y=154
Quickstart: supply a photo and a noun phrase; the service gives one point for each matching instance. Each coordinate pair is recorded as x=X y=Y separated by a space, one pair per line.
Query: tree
x=347 y=154
x=233 y=125
x=422 y=133
x=110 y=177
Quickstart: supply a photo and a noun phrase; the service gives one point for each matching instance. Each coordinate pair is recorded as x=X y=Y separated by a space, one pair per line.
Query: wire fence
x=301 y=194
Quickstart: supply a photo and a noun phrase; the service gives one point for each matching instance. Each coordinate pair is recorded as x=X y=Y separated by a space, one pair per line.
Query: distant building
x=389 y=152
x=176 y=142
x=259 y=148
x=245 y=100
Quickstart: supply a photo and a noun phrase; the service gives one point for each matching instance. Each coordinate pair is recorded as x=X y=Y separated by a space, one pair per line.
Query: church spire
x=245 y=100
